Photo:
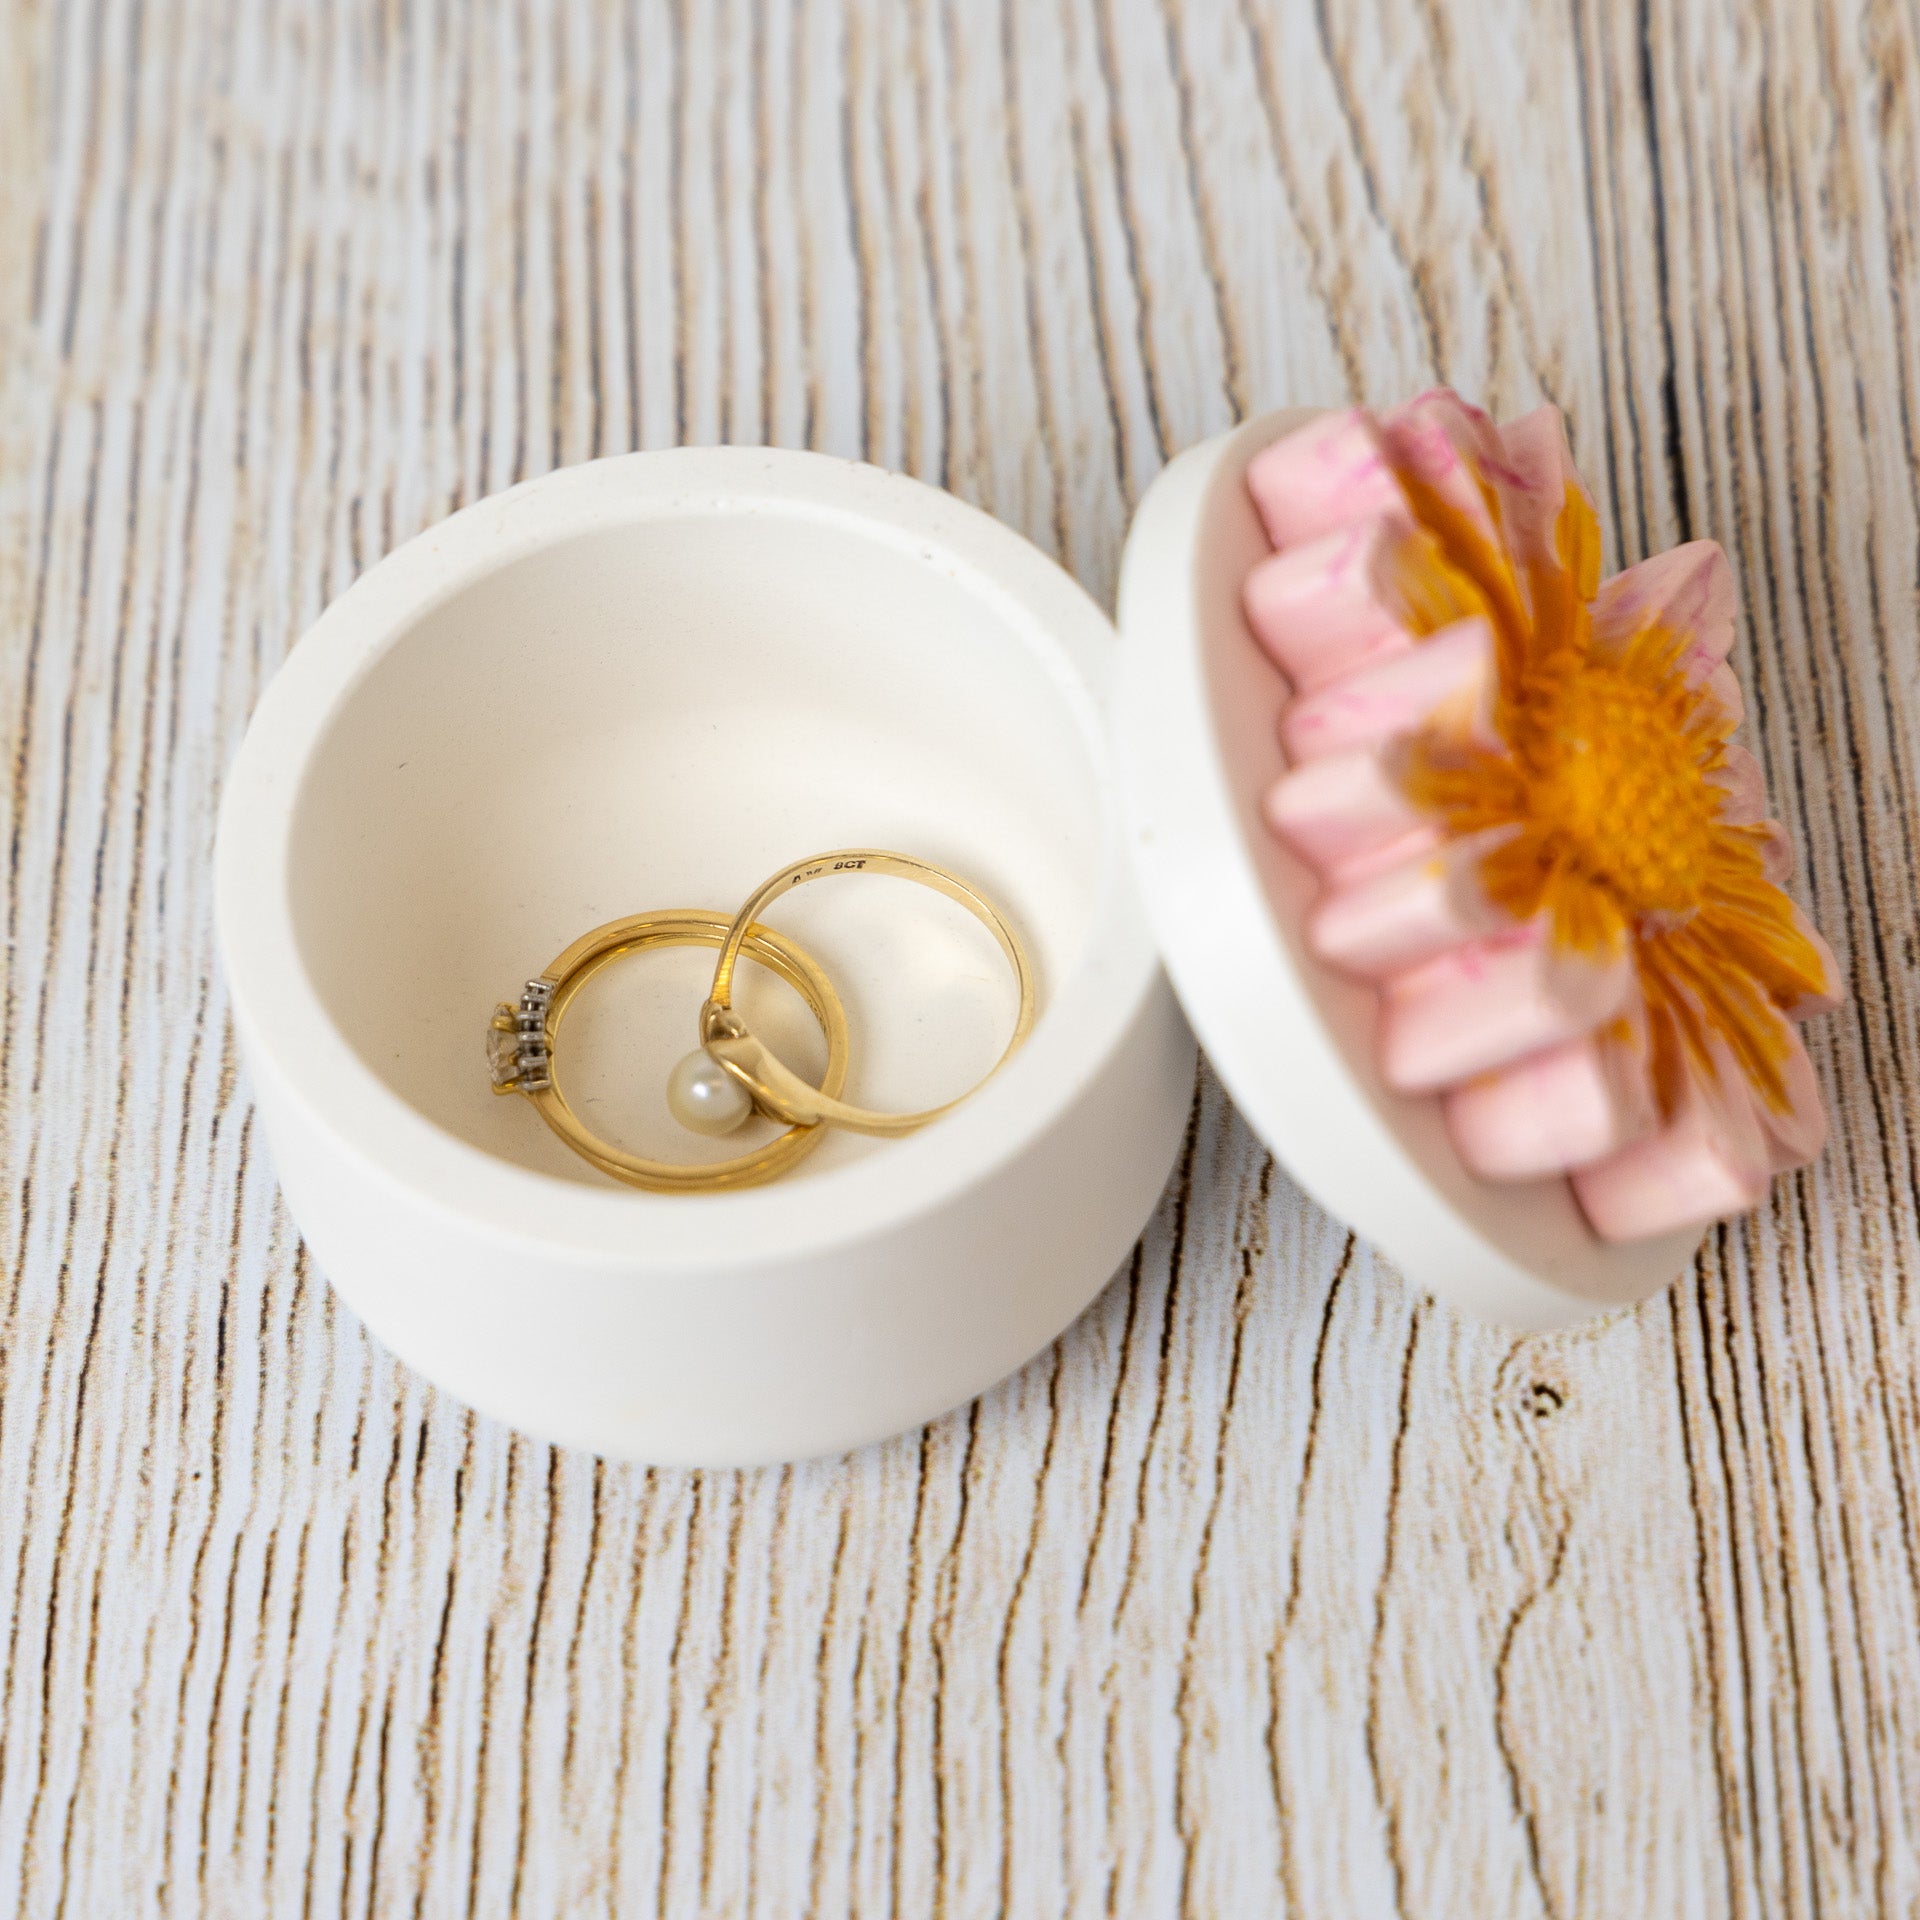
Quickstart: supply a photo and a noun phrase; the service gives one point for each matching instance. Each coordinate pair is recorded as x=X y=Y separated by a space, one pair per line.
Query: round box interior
x=660 y=714
x=648 y=683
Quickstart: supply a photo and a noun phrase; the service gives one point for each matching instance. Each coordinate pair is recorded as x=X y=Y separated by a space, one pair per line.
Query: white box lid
x=1293 y=1041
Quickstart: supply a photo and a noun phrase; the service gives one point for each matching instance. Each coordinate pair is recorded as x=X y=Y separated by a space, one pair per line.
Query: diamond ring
x=522 y=1037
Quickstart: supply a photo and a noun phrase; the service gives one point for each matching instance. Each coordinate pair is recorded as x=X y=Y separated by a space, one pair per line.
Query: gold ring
x=775 y=1087
x=522 y=1037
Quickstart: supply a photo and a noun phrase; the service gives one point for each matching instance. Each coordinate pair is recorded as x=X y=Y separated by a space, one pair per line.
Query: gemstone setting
x=519 y=1056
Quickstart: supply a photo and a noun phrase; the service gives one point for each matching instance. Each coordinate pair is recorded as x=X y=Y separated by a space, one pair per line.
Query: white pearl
x=705 y=1097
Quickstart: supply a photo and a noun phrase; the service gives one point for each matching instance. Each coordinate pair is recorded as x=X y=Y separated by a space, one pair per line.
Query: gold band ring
x=775 y=1087
x=522 y=1038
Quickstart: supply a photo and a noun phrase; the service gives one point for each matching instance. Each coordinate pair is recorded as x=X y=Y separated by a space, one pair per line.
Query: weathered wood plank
x=1271 y=1588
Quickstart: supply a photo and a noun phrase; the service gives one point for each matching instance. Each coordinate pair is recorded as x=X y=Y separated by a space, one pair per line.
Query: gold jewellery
x=521 y=1044
x=733 y=1074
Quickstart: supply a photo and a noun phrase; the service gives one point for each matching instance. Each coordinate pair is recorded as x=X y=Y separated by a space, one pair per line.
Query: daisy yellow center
x=1622 y=789
x=1606 y=813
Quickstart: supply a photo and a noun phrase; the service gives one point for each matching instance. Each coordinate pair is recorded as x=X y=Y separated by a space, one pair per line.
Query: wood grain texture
x=1271 y=1589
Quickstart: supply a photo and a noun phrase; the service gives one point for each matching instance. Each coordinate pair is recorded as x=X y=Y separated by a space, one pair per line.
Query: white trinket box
x=651 y=681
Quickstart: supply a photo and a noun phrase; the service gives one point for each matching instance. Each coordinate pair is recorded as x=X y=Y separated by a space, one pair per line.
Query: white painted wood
x=1269 y=1589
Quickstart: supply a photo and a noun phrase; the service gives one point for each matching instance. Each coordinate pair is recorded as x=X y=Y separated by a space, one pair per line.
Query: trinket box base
x=648 y=682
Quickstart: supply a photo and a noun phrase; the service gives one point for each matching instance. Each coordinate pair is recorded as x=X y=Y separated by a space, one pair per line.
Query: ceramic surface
x=1292 y=1039
x=649 y=682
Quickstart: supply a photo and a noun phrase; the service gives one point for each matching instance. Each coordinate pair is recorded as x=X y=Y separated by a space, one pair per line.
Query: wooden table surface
x=1273 y=1589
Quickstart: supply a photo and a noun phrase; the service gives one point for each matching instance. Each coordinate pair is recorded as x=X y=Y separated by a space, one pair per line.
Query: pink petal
x=1329 y=606
x=1448 y=445
x=1710 y=1161
x=1485 y=1005
x=1724 y=686
x=1343 y=812
x=1535 y=472
x=1796 y=1134
x=1832 y=992
x=1328 y=475
x=1449 y=680
x=1564 y=1107
x=1746 y=806
x=1688 y=589
x=1745 y=786
x=1410 y=912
